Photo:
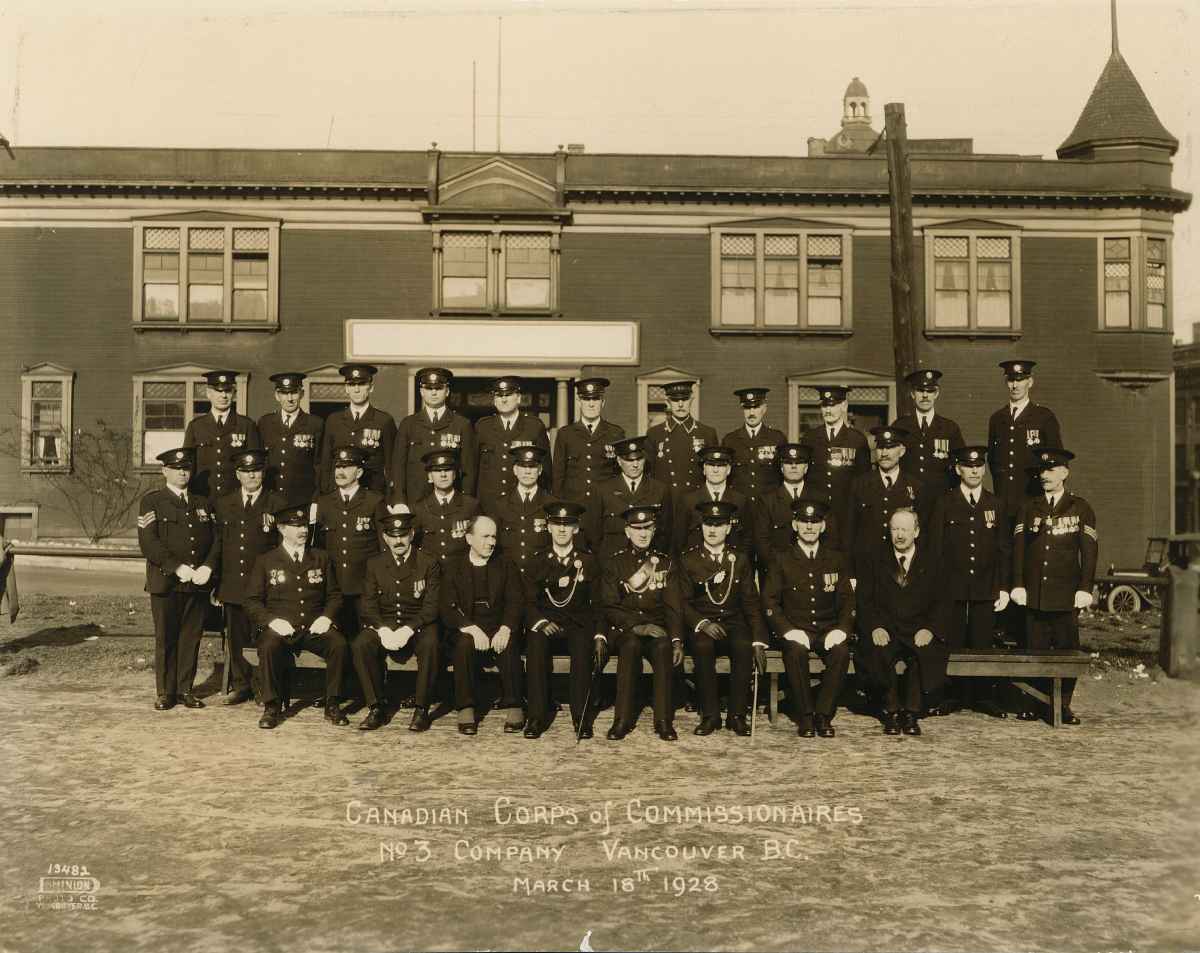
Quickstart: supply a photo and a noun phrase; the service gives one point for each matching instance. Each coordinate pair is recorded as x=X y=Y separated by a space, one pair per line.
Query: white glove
x=282 y=627
x=923 y=638
x=1083 y=600
x=1018 y=595
x=880 y=637
x=183 y=572
x=479 y=637
x=799 y=636
x=320 y=625
x=201 y=575
x=403 y=634
x=836 y=637
x=388 y=638
x=1001 y=602
x=500 y=639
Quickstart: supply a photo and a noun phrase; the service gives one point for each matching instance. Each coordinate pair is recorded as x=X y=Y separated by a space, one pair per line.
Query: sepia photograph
x=577 y=475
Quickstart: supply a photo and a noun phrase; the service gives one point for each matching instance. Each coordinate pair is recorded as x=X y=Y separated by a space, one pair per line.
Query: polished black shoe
x=238 y=696
x=738 y=725
x=666 y=731
x=270 y=716
x=909 y=724
x=375 y=719
x=164 y=703
x=534 y=728
x=468 y=728
x=891 y=723
x=334 y=715
x=420 y=720
x=188 y=700
x=513 y=727
x=586 y=732
x=804 y=727
x=619 y=730
x=938 y=711
x=1069 y=717
x=824 y=728
x=707 y=726
x=987 y=707
x=1028 y=716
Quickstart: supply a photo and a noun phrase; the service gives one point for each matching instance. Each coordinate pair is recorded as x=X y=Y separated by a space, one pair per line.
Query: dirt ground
x=200 y=832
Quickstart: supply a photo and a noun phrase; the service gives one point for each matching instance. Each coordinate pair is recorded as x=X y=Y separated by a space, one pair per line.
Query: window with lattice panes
x=971 y=281
x=656 y=405
x=1118 y=298
x=497 y=270
x=164 y=408
x=1156 y=283
x=526 y=267
x=46 y=394
x=326 y=397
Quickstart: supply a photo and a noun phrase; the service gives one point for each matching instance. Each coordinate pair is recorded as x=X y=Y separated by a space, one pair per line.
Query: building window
x=771 y=281
x=972 y=283
x=1118 y=309
x=872 y=401
x=1156 y=283
x=46 y=431
x=164 y=402
x=326 y=397
x=206 y=275
x=495 y=271
x=1134 y=280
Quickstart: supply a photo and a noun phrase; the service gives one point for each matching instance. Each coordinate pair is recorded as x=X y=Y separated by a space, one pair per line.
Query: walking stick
x=754 y=705
x=586 y=701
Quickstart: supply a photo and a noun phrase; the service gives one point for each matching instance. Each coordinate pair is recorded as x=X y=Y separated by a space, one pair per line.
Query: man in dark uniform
x=878 y=493
x=244 y=530
x=443 y=515
x=839 y=454
x=175 y=533
x=1016 y=434
x=967 y=530
x=809 y=606
x=293 y=441
x=773 y=518
x=1054 y=564
x=630 y=488
x=559 y=585
x=217 y=436
x=507 y=429
x=583 y=451
x=400 y=604
x=481 y=607
x=639 y=601
x=722 y=614
x=902 y=608
x=434 y=427
x=755 y=446
x=520 y=512
x=716 y=463
x=361 y=425
x=293 y=598
x=346 y=523
x=673 y=445
x=930 y=440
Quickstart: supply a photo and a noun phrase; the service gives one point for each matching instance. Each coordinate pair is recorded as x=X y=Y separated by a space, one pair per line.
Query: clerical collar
x=475 y=560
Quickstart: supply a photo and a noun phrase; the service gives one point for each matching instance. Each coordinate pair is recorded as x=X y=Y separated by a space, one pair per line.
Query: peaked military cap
x=180 y=458
x=292 y=516
x=716 y=455
x=289 y=382
x=925 y=379
x=641 y=516
x=630 y=448
x=591 y=388
x=348 y=457
x=1046 y=459
x=441 y=460
x=795 y=453
x=397 y=524
x=358 y=373
x=565 y=512
x=1018 y=370
x=752 y=396
x=250 y=460
x=888 y=436
x=808 y=510
x=221 y=380
x=974 y=456
x=677 y=390
x=832 y=394
x=531 y=456
x=716 y=511
x=434 y=377
x=506 y=385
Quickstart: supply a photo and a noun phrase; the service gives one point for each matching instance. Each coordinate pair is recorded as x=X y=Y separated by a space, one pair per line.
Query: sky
x=713 y=76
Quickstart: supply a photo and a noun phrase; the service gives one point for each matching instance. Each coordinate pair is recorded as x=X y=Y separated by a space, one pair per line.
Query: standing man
x=434 y=427
x=442 y=517
x=968 y=533
x=1017 y=433
x=520 y=513
x=755 y=446
x=930 y=440
x=672 y=447
x=839 y=454
x=583 y=451
x=400 y=604
x=809 y=606
x=293 y=597
x=217 y=436
x=631 y=488
x=293 y=441
x=175 y=533
x=346 y=523
x=639 y=600
x=901 y=617
x=243 y=531
x=773 y=519
x=560 y=583
x=481 y=606
x=507 y=429
x=361 y=425
x=716 y=462
x=722 y=614
x=1054 y=565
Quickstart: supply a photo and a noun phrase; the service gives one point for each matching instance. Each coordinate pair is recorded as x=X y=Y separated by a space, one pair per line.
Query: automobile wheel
x=1124 y=600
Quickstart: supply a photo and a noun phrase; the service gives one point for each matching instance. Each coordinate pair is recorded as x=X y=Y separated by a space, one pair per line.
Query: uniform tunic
x=494 y=466
x=871 y=506
x=834 y=466
x=374 y=432
x=215 y=446
x=583 y=460
x=521 y=525
x=349 y=533
x=293 y=455
x=604 y=522
x=975 y=557
x=688 y=533
x=929 y=454
x=773 y=519
x=442 y=529
x=1012 y=445
x=756 y=460
x=671 y=452
x=416 y=436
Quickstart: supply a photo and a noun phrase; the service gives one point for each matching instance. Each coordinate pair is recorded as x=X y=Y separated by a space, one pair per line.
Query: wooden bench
x=1014 y=666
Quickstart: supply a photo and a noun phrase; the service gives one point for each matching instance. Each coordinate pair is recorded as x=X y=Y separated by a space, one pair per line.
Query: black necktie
x=924 y=426
x=296 y=556
x=1014 y=412
x=888 y=481
x=246 y=503
x=346 y=498
x=974 y=501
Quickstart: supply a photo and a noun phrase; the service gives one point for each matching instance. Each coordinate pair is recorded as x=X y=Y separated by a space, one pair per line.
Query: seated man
x=641 y=609
x=721 y=613
x=293 y=597
x=559 y=585
x=901 y=617
x=809 y=604
x=481 y=608
x=400 y=595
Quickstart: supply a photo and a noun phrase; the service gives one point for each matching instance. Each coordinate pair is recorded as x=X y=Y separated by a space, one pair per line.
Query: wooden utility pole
x=904 y=330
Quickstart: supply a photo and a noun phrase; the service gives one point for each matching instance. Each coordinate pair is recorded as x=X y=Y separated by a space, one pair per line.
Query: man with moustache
x=400 y=604
x=508 y=429
x=930 y=440
x=583 y=451
x=293 y=441
x=773 y=520
x=443 y=515
x=672 y=446
x=361 y=425
x=839 y=454
x=217 y=436
x=755 y=446
x=716 y=463
x=630 y=488
x=435 y=427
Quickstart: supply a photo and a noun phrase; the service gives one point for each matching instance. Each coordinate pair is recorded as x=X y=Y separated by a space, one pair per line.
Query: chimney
x=575 y=147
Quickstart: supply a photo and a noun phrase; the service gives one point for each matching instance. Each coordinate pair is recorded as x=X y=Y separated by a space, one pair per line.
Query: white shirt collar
x=289 y=418
x=298 y=552
x=968 y=493
x=688 y=424
x=444 y=497
x=753 y=431
x=794 y=489
x=810 y=551
x=1020 y=406
x=249 y=498
x=834 y=429
x=351 y=490
x=566 y=554
x=908 y=555
x=359 y=413
x=887 y=476
x=478 y=565
x=182 y=494
x=719 y=553
x=434 y=415
x=220 y=417
x=716 y=492
x=1053 y=500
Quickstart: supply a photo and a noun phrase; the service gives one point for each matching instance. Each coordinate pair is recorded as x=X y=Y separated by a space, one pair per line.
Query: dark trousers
x=795 y=664
x=539 y=648
x=467 y=661
x=1054 y=630
x=631 y=649
x=347 y=619
x=971 y=625
x=370 y=662
x=900 y=692
x=241 y=636
x=277 y=657
x=178 y=625
x=741 y=665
